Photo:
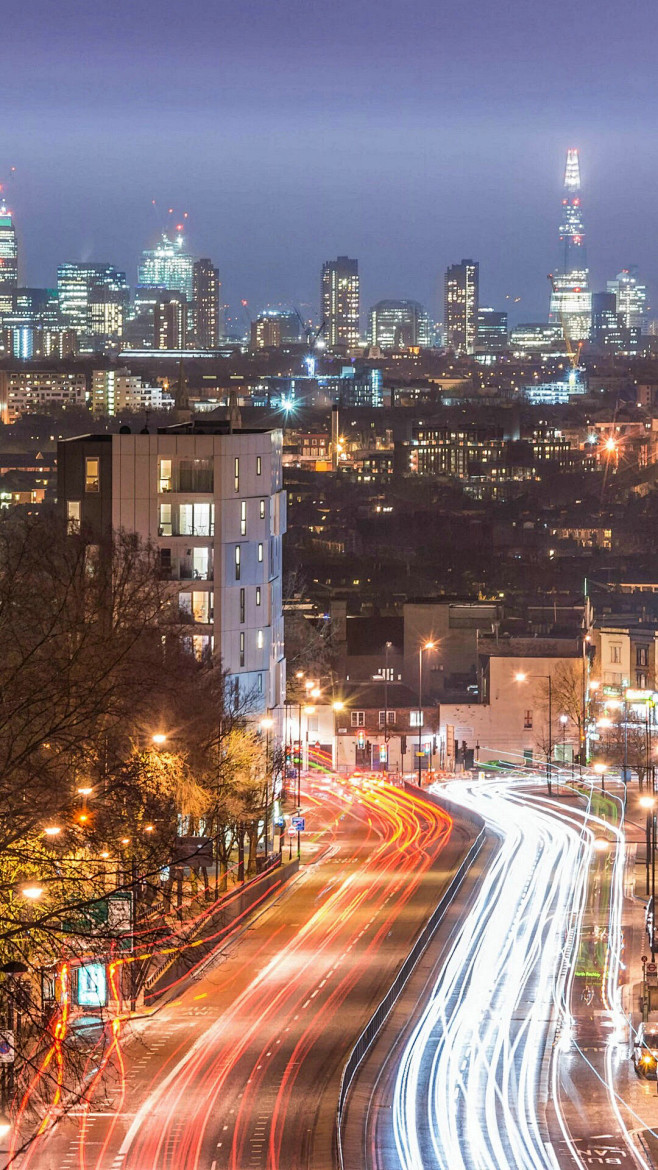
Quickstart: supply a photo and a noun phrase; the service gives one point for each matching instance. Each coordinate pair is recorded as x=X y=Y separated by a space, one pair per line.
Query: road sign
x=298 y=824
x=651 y=969
x=6 y=1047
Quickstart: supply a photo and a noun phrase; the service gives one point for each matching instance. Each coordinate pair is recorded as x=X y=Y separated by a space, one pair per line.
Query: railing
x=377 y=1021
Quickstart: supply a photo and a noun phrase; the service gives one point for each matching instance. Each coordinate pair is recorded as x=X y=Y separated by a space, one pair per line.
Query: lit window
x=236 y=474
x=258 y=595
x=358 y=718
x=243 y=518
x=242 y=649
x=73 y=515
x=260 y=552
x=164 y=528
x=92 y=475
x=237 y=562
x=165 y=477
x=259 y=639
x=615 y=652
x=415 y=719
x=259 y=465
x=262 y=509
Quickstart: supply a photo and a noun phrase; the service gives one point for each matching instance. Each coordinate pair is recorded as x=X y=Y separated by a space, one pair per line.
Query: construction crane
x=313 y=338
x=573 y=354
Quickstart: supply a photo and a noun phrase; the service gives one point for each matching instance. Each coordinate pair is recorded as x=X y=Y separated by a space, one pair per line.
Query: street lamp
x=52 y=831
x=266 y=724
x=520 y=677
x=159 y=739
x=422 y=649
x=600 y=770
x=32 y=892
x=649 y=803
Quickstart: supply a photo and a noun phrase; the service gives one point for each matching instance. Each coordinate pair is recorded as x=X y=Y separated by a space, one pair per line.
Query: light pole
x=307 y=711
x=521 y=676
x=427 y=646
x=600 y=770
x=267 y=724
x=337 y=707
x=387 y=648
x=648 y=803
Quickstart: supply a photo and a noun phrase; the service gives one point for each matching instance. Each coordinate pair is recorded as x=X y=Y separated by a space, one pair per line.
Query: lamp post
x=266 y=725
x=307 y=711
x=427 y=646
x=521 y=676
x=648 y=803
x=600 y=770
x=337 y=706
x=387 y=649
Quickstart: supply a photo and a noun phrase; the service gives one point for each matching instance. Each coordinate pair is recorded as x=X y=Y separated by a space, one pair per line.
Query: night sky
x=407 y=134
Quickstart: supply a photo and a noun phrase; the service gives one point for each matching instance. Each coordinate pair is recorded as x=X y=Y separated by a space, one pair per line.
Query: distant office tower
x=340 y=302
x=170 y=321
x=75 y=283
x=168 y=266
x=8 y=260
x=631 y=298
x=571 y=300
x=206 y=289
x=492 y=331
x=275 y=327
x=607 y=328
x=399 y=325
x=105 y=312
x=461 y=305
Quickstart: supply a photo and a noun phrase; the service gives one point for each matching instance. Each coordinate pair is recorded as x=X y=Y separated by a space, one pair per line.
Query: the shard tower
x=571 y=299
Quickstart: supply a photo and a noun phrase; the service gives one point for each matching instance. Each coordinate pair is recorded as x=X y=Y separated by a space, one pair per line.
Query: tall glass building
x=75 y=283
x=571 y=299
x=168 y=266
x=631 y=298
x=399 y=325
x=340 y=302
x=8 y=260
x=462 y=299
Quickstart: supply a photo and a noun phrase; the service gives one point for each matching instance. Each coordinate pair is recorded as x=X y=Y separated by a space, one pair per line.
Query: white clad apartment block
x=213 y=501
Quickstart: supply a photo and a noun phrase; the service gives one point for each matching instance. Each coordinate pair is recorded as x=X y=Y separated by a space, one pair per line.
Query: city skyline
x=167 y=225
x=282 y=159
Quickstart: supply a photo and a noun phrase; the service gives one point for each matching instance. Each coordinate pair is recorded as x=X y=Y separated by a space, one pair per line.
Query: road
x=241 y=1071
x=510 y=1061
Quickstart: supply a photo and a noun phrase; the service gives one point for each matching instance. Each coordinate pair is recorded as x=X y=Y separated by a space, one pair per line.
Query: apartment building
x=211 y=498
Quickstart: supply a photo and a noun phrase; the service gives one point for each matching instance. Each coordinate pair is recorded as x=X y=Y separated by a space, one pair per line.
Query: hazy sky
x=408 y=134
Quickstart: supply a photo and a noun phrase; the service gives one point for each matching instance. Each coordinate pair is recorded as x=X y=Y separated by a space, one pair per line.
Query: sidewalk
x=639 y=1094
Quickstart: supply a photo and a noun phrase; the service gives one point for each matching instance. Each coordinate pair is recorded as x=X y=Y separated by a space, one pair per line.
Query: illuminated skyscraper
x=462 y=293
x=168 y=266
x=631 y=298
x=206 y=289
x=340 y=302
x=75 y=284
x=8 y=260
x=398 y=325
x=571 y=299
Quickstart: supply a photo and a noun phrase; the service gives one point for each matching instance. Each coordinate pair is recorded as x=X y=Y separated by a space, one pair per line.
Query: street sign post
x=298 y=824
x=6 y=1047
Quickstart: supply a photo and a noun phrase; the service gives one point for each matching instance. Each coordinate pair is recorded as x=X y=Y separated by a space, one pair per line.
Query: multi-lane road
x=512 y=1020
x=241 y=1070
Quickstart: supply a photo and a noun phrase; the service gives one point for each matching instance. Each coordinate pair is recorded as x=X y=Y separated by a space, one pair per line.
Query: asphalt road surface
x=510 y=1059
x=241 y=1071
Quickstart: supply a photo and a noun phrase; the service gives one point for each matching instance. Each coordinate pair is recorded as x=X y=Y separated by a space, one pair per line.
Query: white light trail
x=476 y=1071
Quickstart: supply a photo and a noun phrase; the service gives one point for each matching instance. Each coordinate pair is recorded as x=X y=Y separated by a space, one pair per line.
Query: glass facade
x=571 y=299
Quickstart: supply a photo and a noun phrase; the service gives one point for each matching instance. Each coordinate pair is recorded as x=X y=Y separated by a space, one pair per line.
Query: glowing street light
x=32 y=892
x=85 y=791
x=338 y=705
x=159 y=738
x=601 y=844
x=5 y=1126
x=52 y=831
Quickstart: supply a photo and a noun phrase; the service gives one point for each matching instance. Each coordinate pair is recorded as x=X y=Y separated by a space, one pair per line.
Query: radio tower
x=571 y=299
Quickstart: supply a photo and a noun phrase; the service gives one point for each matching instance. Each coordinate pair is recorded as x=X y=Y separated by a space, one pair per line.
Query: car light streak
x=472 y=1080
